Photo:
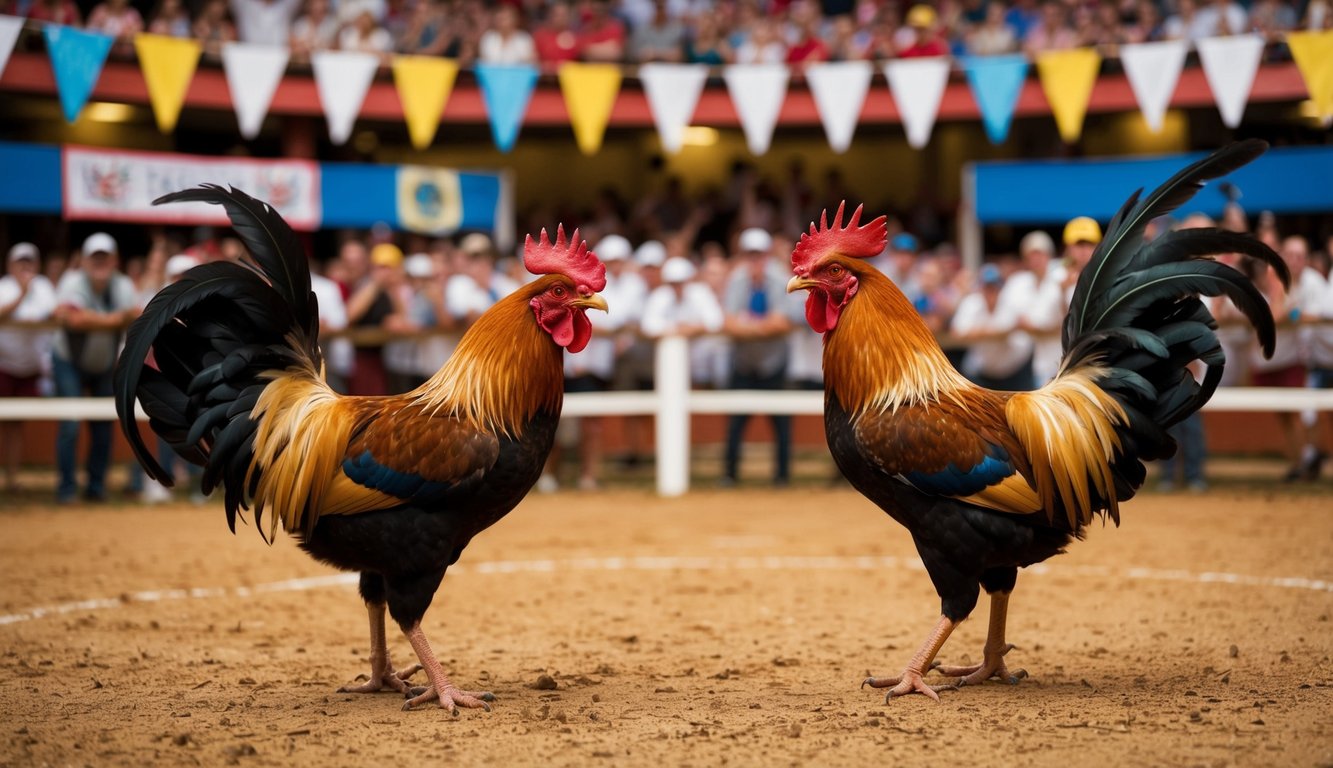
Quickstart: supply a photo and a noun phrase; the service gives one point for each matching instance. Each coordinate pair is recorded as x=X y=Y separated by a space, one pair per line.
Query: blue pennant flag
x=996 y=84
x=76 y=58
x=506 y=90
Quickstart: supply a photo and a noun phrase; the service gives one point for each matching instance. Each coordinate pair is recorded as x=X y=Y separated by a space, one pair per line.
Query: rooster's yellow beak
x=594 y=301
x=799 y=283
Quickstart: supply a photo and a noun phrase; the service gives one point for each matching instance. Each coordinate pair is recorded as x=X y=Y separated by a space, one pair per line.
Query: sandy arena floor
x=723 y=628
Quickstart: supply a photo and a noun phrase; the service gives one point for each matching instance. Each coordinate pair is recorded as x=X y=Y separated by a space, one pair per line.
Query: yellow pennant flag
x=168 y=67
x=590 y=92
x=1067 y=78
x=1313 y=52
x=424 y=84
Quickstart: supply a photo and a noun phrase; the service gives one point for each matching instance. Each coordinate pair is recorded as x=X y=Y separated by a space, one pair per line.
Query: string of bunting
x=342 y=79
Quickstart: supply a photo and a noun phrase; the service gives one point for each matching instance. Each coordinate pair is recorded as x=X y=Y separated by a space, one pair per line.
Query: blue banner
x=506 y=91
x=1054 y=191
x=430 y=201
x=996 y=84
x=76 y=59
x=31 y=181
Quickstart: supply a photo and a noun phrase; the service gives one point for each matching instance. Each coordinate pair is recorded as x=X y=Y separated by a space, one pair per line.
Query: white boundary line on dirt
x=666 y=563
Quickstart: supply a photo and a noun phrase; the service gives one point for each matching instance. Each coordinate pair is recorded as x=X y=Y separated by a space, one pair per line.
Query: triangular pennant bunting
x=76 y=59
x=840 y=90
x=1229 y=65
x=424 y=84
x=757 y=91
x=1067 y=78
x=997 y=82
x=918 y=86
x=342 y=79
x=253 y=73
x=168 y=65
x=10 y=27
x=673 y=93
x=590 y=92
x=506 y=89
x=1153 y=69
x=1313 y=52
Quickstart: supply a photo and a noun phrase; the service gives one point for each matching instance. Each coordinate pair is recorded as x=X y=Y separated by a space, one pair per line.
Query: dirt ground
x=727 y=627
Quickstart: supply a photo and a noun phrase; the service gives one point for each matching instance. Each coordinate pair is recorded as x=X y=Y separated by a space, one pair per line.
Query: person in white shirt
x=1037 y=292
x=27 y=300
x=635 y=354
x=681 y=306
x=998 y=354
x=506 y=42
x=264 y=22
x=338 y=353
x=1321 y=355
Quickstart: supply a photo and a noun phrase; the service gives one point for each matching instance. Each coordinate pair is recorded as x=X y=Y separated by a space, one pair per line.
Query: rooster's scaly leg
x=382 y=674
x=441 y=690
x=911 y=680
x=992 y=664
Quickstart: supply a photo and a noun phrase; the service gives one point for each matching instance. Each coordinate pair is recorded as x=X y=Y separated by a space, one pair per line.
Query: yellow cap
x=386 y=255
x=921 y=16
x=1082 y=230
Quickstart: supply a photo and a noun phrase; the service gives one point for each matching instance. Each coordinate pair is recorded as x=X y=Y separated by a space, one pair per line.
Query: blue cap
x=903 y=241
x=990 y=275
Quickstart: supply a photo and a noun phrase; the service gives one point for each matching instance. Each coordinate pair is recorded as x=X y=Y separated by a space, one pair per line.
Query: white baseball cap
x=23 y=251
x=755 y=240
x=613 y=248
x=419 y=265
x=99 y=242
x=651 y=254
x=180 y=264
x=1037 y=241
x=678 y=270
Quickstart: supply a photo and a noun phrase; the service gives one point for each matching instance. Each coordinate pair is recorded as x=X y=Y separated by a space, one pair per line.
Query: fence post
x=672 y=425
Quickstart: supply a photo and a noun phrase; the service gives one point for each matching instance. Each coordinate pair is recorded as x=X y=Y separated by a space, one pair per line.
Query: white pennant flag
x=342 y=79
x=840 y=90
x=1153 y=70
x=673 y=93
x=757 y=91
x=918 y=87
x=1229 y=64
x=253 y=73
x=10 y=27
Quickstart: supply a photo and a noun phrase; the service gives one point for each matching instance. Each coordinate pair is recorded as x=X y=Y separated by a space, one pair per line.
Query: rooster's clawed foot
x=991 y=667
x=383 y=680
x=452 y=699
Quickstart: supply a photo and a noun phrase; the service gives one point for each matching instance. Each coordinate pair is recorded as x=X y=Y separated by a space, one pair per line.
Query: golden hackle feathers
x=853 y=240
x=1068 y=429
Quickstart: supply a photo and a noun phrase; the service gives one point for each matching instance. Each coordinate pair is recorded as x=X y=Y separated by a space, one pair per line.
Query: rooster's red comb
x=570 y=258
x=861 y=242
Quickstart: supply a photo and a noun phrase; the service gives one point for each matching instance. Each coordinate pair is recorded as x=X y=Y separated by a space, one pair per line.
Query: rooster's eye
x=558 y=292
x=834 y=270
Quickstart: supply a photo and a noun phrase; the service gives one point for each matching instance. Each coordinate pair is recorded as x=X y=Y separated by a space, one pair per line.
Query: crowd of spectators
x=714 y=270
x=796 y=32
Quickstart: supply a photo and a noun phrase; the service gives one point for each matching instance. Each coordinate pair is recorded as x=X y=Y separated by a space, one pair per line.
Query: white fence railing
x=673 y=401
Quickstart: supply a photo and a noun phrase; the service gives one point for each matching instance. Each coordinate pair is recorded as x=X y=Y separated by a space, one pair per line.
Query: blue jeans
x=781 y=428
x=1189 y=437
x=71 y=382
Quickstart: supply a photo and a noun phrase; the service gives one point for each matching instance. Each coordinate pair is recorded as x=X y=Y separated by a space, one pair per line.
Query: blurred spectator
x=95 y=303
x=660 y=39
x=154 y=492
x=556 y=41
x=603 y=35
x=214 y=26
x=926 y=38
x=373 y=279
x=426 y=31
x=995 y=35
x=898 y=263
x=365 y=34
x=1188 y=434
x=1318 y=15
x=1286 y=368
x=1024 y=16
x=56 y=12
x=1147 y=23
x=338 y=352
x=681 y=306
x=806 y=47
x=1037 y=292
x=27 y=299
x=118 y=19
x=999 y=354
x=400 y=354
x=1053 y=33
x=763 y=45
x=1321 y=359
x=1081 y=236
x=1217 y=18
x=315 y=30
x=170 y=18
x=264 y=22
x=635 y=353
x=707 y=44
x=758 y=318
x=845 y=43
x=507 y=42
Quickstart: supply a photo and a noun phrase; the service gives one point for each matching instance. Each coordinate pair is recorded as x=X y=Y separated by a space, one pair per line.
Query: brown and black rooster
x=989 y=482
x=393 y=487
